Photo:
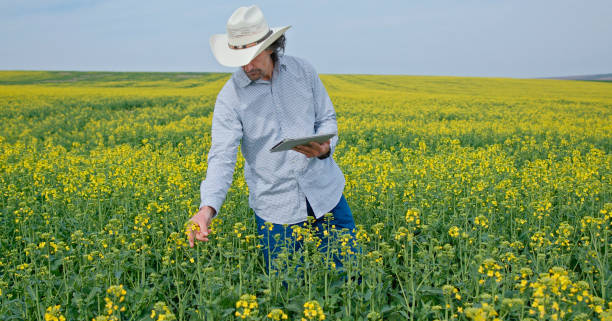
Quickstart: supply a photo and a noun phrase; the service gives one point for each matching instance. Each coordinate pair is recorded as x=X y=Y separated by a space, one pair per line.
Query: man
x=271 y=97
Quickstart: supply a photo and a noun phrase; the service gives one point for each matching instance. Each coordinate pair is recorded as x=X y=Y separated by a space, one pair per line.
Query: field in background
x=475 y=199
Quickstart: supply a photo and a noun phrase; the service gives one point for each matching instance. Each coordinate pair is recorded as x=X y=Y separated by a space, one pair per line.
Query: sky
x=493 y=38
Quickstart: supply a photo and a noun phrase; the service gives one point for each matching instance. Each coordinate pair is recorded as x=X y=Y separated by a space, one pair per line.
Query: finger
x=307 y=154
x=299 y=150
x=191 y=232
x=324 y=147
x=203 y=228
x=201 y=237
x=317 y=149
x=309 y=150
x=320 y=148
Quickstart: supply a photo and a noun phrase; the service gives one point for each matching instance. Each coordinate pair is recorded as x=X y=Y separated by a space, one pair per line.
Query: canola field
x=474 y=199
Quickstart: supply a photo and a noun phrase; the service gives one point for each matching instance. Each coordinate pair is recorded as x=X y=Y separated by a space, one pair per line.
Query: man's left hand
x=313 y=149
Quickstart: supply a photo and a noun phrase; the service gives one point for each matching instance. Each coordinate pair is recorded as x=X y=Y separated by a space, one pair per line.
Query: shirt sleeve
x=226 y=133
x=325 y=115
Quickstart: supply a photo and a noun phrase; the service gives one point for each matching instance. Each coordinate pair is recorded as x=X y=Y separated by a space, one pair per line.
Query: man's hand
x=313 y=149
x=202 y=218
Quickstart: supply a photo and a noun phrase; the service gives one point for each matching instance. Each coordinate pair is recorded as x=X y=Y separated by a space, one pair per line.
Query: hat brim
x=240 y=57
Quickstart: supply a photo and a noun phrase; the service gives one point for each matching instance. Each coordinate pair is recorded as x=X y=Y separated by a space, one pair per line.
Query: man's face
x=260 y=67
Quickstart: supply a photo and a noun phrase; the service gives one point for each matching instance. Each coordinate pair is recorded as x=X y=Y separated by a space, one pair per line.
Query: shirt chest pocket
x=260 y=123
x=297 y=104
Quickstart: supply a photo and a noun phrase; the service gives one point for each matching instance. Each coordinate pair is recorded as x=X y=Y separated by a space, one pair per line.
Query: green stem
x=412 y=280
x=200 y=281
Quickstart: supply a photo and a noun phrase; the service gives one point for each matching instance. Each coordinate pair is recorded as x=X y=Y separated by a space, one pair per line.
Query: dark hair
x=278 y=48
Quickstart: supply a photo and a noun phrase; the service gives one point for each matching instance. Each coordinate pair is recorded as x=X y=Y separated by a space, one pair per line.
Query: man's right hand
x=202 y=218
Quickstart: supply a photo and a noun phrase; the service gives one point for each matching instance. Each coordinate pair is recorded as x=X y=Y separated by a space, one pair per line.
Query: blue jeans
x=271 y=245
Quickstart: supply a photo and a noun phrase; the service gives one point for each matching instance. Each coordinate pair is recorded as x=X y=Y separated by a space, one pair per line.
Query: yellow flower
x=246 y=306
x=313 y=311
x=403 y=233
x=53 y=313
x=454 y=231
x=277 y=314
x=481 y=221
x=490 y=269
x=483 y=313
x=191 y=226
x=412 y=217
x=162 y=312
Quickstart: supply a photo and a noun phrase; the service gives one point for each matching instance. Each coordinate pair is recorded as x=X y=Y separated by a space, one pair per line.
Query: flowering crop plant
x=474 y=199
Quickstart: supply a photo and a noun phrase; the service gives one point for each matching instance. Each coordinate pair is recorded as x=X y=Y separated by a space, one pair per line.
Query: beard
x=254 y=74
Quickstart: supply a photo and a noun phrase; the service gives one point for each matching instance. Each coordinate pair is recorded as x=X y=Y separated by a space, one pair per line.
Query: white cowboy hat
x=247 y=36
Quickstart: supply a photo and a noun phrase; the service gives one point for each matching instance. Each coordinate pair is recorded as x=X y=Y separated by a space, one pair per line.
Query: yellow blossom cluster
x=449 y=290
x=377 y=230
x=191 y=227
x=523 y=277
x=115 y=295
x=481 y=221
x=564 y=236
x=361 y=234
x=555 y=295
x=176 y=241
x=413 y=218
x=313 y=311
x=277 y=314
x=305 y=234
x=54 y=313
x=539 y=240
x=161 y=312
x=347 y=244
x=247 y=307
x=483 y=313
x=239 y=230
x=403 y=233
x=490 y=269
x=375 y=257
x=454 y=231
x=141 y=222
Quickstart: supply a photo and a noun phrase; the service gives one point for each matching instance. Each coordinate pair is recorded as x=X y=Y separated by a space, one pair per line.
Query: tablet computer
x=289 y=143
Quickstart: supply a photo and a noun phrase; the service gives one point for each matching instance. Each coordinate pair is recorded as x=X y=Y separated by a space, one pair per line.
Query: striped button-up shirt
x=258 y=114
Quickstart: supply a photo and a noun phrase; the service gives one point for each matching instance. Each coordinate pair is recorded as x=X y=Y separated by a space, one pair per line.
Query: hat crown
x=246 y=25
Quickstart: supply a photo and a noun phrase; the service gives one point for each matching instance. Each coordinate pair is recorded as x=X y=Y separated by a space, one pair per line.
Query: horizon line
x=562 y=77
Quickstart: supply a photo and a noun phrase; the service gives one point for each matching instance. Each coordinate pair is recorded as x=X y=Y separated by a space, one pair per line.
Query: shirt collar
x=243 y=80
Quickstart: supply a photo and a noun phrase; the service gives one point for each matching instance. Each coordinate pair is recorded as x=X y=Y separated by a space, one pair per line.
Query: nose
x=248 y=67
